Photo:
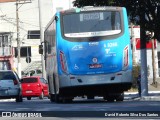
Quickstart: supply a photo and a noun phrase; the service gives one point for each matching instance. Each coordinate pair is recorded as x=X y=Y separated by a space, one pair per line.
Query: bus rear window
x=91 y=24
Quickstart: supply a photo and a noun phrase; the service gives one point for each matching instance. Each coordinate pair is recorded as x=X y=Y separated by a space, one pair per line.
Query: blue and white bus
x=88 y=53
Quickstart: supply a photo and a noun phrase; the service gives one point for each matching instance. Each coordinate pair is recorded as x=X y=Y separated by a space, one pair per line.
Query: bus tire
x=52 y=98
x=90 y=97
x=67 y=100
x=120 y=97
x=57 y=98
x=110 y=99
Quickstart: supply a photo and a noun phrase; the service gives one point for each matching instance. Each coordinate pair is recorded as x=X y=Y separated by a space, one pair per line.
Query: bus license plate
x=92 y=66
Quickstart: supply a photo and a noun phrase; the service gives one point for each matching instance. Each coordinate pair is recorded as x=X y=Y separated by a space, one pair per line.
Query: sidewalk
x=152 y=96
x=153 y=93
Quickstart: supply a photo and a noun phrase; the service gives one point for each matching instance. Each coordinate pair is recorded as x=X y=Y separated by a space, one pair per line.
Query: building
x=29 y=28
x=6 y=51
x=136 y=34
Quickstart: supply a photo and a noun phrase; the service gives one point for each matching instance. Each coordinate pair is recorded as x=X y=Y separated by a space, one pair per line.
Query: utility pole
x=18 y=42
x=18 y=39
x=69 y=1
x=41 y=38
x=144 y=71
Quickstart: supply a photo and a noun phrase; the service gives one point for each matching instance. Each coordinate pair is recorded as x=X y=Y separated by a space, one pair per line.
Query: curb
x=6 y=100
x=150 y=92
x=146 y=98
x=152 y=96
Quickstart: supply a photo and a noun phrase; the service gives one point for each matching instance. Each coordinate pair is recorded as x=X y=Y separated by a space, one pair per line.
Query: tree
x=145 y=13
x=135 y=9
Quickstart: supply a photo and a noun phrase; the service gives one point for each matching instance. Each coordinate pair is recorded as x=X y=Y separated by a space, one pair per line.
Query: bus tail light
x=63 y=61
x=126 y=58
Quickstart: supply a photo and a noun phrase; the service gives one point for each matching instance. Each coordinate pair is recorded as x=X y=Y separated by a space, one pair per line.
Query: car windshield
x=92 y=24
x=29 y=80
x=7 y=75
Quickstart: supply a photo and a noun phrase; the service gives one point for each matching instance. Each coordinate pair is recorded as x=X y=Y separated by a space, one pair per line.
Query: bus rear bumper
x=83 y=80
x=99 y=85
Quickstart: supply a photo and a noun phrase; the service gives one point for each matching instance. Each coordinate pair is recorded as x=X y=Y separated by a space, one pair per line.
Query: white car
x=10 y=86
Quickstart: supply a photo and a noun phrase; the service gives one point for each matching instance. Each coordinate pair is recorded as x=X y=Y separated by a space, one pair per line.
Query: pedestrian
x=139 y=84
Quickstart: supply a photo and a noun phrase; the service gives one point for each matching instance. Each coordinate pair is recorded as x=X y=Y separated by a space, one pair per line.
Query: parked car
x=34 y=86
x=36 y=72
x=10 y=86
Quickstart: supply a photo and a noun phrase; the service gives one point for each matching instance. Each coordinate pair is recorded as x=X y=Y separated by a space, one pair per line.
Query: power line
x=11 y=22
x=20 y=10
x=5 y=18
x=19 y=20
x=1 y=11
x=9 y=19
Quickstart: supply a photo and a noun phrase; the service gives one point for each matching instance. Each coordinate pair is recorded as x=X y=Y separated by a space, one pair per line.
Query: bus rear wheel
x=110 y=99
x=90 y=97
x=67 y=100
x=52 y=98
x=57 y=98
x=120 y=97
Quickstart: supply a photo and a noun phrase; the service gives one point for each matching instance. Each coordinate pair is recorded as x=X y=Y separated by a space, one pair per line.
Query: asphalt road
x=82 y=108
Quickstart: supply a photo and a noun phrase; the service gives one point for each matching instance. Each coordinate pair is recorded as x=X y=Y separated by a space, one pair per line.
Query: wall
x=28 y=20
x=136 y=34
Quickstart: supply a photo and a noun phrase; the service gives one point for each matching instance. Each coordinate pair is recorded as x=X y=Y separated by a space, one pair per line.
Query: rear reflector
x=72 y=77
x=125 y=59
x=63 y=61
x=119 y=73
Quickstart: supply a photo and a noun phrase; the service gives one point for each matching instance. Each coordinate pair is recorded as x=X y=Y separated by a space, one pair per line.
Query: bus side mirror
x=56 y=18
x=40 y=49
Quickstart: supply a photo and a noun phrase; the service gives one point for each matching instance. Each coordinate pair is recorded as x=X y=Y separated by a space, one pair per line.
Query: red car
x=34 y=86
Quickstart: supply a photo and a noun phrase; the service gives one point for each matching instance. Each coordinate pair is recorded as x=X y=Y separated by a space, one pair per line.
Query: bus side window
x=46 y=47
x=49 y=49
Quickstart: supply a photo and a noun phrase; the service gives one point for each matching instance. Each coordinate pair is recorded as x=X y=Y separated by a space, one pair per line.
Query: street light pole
x=41 y=38
x=18 y=42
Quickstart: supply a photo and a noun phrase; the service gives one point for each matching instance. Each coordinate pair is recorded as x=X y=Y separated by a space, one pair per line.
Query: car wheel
x=19 y=99
x=52 y=98
x=41 y=96
x=28 y=98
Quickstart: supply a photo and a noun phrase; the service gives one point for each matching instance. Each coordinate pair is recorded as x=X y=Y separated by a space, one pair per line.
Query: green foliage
x=135 y=9
x=82 y=3
x=135 y=73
